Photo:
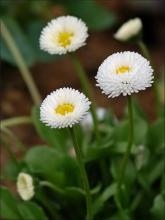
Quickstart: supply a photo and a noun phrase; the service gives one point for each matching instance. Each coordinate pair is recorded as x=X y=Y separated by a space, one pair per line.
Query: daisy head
x=63 y=34
x=124 y=73
x=64 y=108
x=129 y=30
x=25 y=186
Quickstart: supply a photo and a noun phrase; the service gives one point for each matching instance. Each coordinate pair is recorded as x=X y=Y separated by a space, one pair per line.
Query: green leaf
x=74 y=193
x=101 y=199
x=21 y=42
x=43 y=162
x=95 y=15
x=158 y=209
x=156 y=170
x=95 y=151
x=120 y=148
x=156 y=135
x=11 y=170
x=54 y=137
x=31 y=211
x=130 y=173
x=49 y=165
x=8 y=205
x=140 y=131
x=138 y=111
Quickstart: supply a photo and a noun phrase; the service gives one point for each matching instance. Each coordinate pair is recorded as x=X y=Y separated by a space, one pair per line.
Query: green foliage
x=158 y=209
x=90 y=12
x=21 y=41
x=16 y=210
x=27 y=42
x=12 y=169
x=33 y=32
x=48 y=164
x=57 y=177
x=140 y=131
x=9 y=209
x=25 y=28
x=54 y=137
x=31 y=211
x=59 y=194
x=156 y=135
x=103 y=197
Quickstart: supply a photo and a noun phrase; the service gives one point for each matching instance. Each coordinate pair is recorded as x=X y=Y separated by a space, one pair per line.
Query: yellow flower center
x=64 y=109
x=123 y=69
x=64 y=38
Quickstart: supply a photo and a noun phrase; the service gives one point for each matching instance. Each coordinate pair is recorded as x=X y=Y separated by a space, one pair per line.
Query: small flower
x=87 y=122
x=64 y=108
x=124 y=73
x=25 y=186
x=129 y=30
x=63 y=34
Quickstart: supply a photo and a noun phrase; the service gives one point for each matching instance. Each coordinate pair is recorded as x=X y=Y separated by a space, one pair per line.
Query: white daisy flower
x=129 y=30
x=87 y=122
x=25 y=186
x=63 y=34
x=64 y=108
x=124 y=73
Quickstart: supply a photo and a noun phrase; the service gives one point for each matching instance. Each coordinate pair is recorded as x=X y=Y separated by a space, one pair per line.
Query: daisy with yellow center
x=63 y=34
x=124 y=73
x=64 y=108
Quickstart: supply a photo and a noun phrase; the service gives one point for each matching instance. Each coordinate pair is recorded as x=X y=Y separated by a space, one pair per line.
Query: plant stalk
x=83 y=175
x=146 y=54
x=86 y=88
x=13 y=137
x=26 y=75
x=8 y=150
x=130 y=143
x=16 y=121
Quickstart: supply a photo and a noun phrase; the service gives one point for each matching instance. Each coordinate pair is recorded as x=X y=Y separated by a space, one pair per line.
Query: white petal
x=49 y=35
x=129 y=29
x=62 y=96
x=138 y=78
x=25 y=186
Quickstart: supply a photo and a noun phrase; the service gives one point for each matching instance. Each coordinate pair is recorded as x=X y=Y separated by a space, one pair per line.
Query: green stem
x=26 y=75
x=16 y=121
x=146 y=54
x=52 y=186
x=144 y=50
x=120 y=208
x=125 y=161
x=8 y=150
x=83 y=175
x=86 y=88
x=130 y=143
x=15 y=139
